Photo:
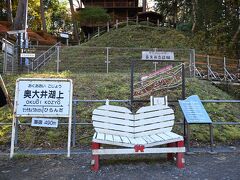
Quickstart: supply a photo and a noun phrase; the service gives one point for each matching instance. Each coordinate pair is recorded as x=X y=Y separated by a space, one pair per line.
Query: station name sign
x=43 y=97
x=158 y=55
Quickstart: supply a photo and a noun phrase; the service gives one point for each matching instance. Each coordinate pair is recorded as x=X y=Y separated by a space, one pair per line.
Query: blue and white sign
x=194 y=110
x=157 y=55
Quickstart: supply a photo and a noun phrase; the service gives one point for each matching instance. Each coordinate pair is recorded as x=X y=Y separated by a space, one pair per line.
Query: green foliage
x=93 y=16
x=135 y=36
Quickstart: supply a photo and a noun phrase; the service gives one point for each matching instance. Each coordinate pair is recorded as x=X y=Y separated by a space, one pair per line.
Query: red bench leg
x=170 y=156
x=180 y=156
x=95 y=158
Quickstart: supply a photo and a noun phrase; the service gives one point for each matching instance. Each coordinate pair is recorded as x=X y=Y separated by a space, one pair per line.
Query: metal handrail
x=44 y=56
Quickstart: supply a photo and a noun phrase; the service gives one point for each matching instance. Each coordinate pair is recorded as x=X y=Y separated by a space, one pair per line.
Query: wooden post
x=58 y=59
x=208 y=66
x=147 y=20
x=224 y=68
x=211 y=136
x=132 y=88
x=98 y=31
x=95 y=158
x=107 y=26
x=74 y=123
x=107 y=59
x=116 y=23
x=170 y=156
x=180 y=156
x=158 y=24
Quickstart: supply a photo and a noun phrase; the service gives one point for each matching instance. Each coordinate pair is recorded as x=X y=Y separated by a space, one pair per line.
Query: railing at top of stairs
x=41 y=60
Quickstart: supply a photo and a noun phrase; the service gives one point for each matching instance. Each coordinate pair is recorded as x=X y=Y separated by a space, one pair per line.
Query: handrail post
x=74 y=123
x=58 y=59
x=208 y=72
x=108 y=26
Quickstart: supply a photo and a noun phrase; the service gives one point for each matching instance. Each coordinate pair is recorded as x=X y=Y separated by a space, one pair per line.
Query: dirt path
x=198 y=166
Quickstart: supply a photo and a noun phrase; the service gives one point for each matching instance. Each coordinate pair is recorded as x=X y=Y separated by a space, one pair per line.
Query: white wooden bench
x=137 y=133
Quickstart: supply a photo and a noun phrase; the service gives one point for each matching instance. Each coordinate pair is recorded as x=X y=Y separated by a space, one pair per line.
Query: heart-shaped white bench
x=150 y=126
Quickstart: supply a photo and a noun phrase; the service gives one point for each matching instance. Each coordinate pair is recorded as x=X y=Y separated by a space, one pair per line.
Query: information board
x=157 y=55
x=194 y=111
x=43 y=98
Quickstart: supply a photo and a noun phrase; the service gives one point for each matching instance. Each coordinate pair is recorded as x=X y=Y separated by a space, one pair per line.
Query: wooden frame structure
x=118 y=10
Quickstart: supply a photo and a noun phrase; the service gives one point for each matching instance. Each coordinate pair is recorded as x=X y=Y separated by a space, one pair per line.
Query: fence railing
x=78 y=121
x=45 y=57
x=114 y=60
x=217 y=68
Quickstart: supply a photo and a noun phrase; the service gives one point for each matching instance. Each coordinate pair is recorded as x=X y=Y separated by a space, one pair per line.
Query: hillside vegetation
x=138 y=36
x=124 y=43
x=116 y=86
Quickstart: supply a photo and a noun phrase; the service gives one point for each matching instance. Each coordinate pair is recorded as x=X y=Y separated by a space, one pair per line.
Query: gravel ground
x=198 y=166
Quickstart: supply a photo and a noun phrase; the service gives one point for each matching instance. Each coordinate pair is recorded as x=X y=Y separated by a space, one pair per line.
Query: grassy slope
x=116 y=86
x=92 y=60
x=141 y=37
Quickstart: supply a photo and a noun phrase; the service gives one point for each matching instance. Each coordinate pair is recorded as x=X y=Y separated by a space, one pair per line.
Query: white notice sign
x=27 y=55
x=43 y=97
x=157 y=55
x=44 y=122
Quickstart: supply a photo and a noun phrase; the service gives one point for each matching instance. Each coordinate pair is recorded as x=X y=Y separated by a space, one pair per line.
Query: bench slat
x=146 y=133
x=148 y=139
x=117 y=115
x=156 y=138
x=125 y=139
x=113 y=127
x=154 y=114
x=164 y=136
x=115 y=108
x=100 y=136
x=112 y=120
x=160 y=119
x=155 y=126
x=109 y=137
x=117 y=138
x=141 y=141
x=113 y=132
x=132 y=140
x=172 y=135
x=152 y=108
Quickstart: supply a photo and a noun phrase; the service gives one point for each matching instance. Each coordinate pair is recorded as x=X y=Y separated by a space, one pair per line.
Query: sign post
x=41 y=98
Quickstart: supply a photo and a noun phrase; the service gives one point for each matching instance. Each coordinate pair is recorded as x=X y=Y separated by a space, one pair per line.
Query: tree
x=9 y=11
x=19 y=20
x=75 y=27
x=194 y=13
x=93 y=16
x=44 y=26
